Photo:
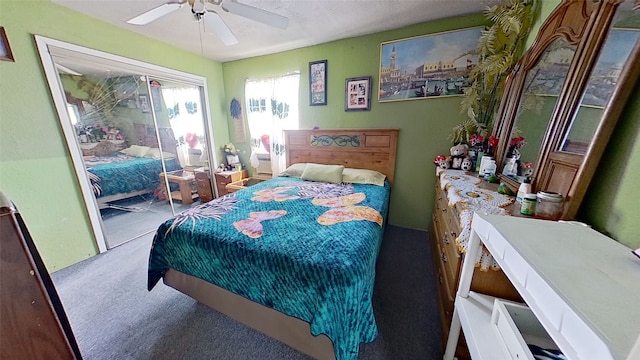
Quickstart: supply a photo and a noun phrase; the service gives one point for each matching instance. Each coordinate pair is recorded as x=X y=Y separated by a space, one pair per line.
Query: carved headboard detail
x=373 y=149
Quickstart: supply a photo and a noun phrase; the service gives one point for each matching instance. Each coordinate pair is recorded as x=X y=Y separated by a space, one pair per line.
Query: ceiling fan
x=212 y=20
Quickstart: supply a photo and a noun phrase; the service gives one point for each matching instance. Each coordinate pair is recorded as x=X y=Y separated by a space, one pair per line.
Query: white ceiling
x=310 y=22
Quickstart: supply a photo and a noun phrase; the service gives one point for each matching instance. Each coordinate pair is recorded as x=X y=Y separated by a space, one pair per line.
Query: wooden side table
x=224 y=178
x=184 y=179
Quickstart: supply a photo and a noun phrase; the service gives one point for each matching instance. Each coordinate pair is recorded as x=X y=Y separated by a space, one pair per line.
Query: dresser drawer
x=446 y=295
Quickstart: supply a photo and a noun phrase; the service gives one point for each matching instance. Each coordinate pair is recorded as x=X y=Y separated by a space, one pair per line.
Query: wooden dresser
x=447 y=258
x=224 y=178
x=33 y=323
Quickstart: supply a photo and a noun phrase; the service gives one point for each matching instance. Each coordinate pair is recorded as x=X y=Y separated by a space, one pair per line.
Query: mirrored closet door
x=138 y=140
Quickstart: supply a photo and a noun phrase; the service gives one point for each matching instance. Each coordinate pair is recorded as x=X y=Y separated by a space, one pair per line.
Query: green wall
x=424 y=123
x=37 y=174
x=611 y=203
x=36 y=171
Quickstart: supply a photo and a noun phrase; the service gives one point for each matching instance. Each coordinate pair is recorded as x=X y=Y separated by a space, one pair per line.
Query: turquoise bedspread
x=119 y=173
x=307 y=249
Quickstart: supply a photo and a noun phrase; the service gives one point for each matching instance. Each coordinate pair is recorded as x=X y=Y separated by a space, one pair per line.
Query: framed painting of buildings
x=427 y=66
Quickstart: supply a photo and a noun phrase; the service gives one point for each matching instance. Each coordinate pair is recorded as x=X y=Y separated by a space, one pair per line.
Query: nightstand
x=224 y=178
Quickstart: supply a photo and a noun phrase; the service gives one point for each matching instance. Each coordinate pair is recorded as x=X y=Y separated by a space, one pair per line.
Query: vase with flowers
x=512 y=161
x=484 y=148
x=231 y=154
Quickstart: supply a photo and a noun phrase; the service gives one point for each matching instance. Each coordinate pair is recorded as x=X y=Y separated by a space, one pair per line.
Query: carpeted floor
x=113 y=316
x=130 y=218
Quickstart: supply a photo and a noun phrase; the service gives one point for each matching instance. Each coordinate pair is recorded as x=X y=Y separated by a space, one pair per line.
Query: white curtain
x=185 y=116
x=271 y=106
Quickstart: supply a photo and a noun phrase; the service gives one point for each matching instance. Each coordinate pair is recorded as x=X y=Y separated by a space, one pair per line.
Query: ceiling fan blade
x=214 y=24
x=154 y=14
x=256 y=14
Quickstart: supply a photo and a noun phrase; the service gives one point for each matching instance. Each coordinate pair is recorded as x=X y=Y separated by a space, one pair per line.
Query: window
x=272 y=106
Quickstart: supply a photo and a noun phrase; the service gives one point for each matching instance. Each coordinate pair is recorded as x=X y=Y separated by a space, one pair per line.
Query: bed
x=292 y=258
x=121 y=175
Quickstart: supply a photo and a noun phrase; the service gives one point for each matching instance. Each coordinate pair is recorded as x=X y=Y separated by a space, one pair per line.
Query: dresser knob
x=445 y=239
x=443 y=256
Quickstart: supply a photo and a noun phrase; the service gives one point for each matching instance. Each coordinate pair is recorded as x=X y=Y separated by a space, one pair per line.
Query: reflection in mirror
x=618 y=45
x=542 y=85
x=137 y=138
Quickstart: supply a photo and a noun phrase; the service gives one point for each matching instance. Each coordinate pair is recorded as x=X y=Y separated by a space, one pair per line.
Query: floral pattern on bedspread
x=306 y=249
x=252 y=227
x=344 y=209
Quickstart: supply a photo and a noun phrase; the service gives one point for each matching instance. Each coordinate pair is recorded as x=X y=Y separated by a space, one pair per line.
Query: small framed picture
x=144 y=103
x=5 y=49
x=357 y=94
x=233 y=160
x=318 y=83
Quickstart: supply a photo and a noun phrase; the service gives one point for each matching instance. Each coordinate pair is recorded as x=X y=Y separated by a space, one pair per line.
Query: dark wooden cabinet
x=33 y=324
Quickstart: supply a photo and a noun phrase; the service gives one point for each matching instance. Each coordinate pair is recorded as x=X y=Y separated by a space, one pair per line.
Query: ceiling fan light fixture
x=214 y=24
x=256 y=14
x=154 y=14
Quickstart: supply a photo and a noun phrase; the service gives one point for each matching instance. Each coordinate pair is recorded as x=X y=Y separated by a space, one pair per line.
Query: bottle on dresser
x=524 y=189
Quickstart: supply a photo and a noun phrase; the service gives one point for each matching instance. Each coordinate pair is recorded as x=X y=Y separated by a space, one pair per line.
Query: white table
x=582 y=286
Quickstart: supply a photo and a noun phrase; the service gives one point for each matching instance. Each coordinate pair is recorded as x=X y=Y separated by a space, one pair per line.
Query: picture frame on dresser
x=233 y=160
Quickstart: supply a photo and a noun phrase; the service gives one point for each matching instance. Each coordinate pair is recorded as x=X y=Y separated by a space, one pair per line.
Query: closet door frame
x=47 y=49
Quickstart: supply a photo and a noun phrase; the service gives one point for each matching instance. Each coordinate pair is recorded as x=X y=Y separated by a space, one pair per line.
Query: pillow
x=135 y=150
x=294 y=170
x=363 y=176
x=154 y=153
x=324 y=173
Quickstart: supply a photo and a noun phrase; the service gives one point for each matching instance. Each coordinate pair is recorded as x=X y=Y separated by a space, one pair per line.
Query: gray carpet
x=113 y=316
x=130 y=218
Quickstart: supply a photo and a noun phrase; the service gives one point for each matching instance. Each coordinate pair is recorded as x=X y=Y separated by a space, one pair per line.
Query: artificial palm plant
x=499 y=48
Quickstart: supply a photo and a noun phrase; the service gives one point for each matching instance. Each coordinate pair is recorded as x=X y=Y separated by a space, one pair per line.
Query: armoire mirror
x=565 y=95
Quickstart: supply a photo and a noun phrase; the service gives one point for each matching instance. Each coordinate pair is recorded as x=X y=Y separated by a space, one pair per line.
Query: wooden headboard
x=373 y=149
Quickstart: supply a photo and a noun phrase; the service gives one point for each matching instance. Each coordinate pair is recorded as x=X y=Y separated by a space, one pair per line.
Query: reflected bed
x=119 y=176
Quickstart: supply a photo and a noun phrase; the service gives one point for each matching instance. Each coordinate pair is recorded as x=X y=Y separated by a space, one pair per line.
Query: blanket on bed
x=307 y=249
x=119 y=173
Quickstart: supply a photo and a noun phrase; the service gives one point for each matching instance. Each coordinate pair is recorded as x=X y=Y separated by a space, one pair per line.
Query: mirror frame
x=584 y=23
